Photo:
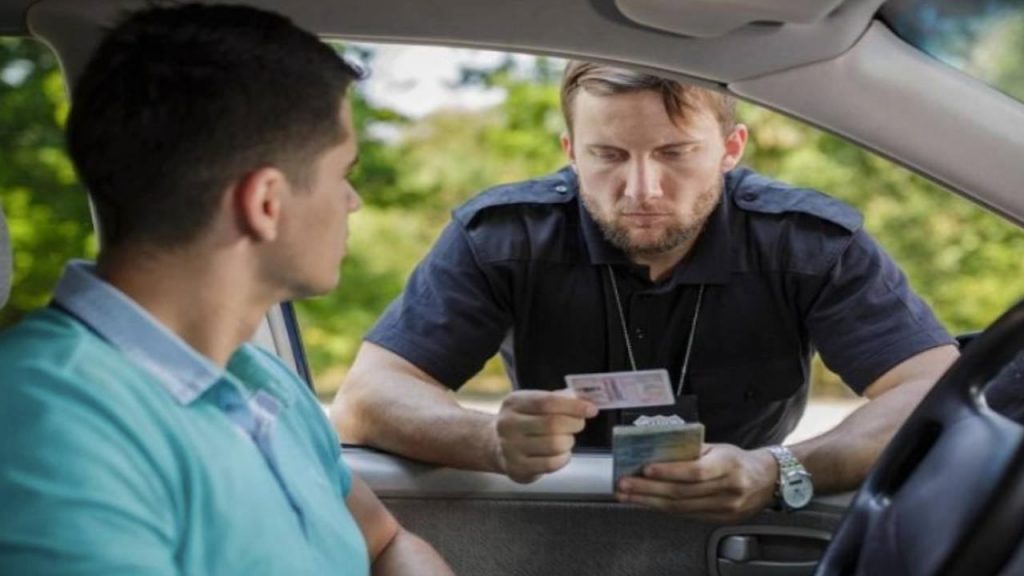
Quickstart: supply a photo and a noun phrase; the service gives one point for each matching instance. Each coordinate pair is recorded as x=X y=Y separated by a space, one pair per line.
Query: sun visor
x=713 y=18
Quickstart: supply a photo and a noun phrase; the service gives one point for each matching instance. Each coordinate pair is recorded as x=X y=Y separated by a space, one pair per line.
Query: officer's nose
x=644 y=180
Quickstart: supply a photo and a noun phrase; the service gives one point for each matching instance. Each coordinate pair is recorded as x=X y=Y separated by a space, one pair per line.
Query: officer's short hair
x=679 y=98
x=179 y=101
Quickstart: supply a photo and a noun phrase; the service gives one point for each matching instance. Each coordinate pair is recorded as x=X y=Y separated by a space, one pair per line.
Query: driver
x=652 y=249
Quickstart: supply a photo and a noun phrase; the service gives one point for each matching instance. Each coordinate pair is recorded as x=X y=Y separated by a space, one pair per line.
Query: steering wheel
x=947 y=494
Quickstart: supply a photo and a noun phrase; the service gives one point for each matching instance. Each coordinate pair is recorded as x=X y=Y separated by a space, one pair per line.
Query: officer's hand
x=726 y=484
x=535 y=430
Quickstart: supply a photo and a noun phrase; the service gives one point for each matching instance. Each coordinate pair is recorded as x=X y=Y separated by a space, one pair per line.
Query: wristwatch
x=794 y=489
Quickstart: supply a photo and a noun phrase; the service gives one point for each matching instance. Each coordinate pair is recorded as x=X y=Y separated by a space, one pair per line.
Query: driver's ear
x=258 y=199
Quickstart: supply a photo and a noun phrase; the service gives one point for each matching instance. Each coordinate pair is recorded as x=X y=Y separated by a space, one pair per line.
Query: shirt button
x=639 y=334
x=561 y=189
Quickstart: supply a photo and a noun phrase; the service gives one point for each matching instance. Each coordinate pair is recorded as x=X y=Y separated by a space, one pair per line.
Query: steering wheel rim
x=915 y=515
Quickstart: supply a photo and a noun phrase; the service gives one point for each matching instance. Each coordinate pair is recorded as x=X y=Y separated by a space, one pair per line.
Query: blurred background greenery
x=965 y=261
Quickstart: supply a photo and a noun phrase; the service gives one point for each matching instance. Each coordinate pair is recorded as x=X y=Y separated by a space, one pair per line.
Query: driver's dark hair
x=180 y=101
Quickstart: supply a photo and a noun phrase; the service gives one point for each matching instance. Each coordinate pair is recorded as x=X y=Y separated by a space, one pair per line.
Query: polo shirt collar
x=708 y=262
x=118 y=319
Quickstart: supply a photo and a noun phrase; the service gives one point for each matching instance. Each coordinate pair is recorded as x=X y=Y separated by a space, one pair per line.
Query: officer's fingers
x=692 y=471
x=513 y=424
x=713 y=508
x=534 y=446
x=541 y=402
x=716 y=460
x=673 y=490
x=523 y=478
x=550 y=424
x=543 y=464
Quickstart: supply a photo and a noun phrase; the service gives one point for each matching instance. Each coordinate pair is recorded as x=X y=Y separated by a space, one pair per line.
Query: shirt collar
x=707 y=263
x=135 y=332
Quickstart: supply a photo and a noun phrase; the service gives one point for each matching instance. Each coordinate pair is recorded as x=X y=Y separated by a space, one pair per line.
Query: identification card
x=612 y=390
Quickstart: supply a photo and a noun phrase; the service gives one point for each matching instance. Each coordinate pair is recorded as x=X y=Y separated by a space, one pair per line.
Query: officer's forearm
x=840 y=459
x=420 y=420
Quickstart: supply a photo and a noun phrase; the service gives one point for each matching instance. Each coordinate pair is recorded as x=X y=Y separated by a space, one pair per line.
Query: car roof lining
x=12 y=17
x=712 y=18
x=752 y=50
x=926 y=125
x=837 y=74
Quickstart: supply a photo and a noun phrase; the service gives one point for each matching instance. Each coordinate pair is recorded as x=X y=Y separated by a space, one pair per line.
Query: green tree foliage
x=45 y=206
x=960 y=258
x=998 y=57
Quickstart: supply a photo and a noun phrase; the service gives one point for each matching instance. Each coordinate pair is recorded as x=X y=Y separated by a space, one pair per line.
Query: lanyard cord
x=629 y=345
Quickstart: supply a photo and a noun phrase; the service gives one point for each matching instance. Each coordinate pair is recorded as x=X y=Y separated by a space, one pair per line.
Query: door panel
x=568 y=523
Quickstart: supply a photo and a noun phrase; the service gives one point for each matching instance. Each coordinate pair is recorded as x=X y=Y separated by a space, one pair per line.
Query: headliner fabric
x=6 y=259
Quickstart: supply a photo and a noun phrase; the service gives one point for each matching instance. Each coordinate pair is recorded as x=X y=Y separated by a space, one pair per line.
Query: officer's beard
x=675 y=235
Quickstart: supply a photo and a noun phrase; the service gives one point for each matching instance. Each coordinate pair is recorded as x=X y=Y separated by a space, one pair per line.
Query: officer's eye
x=675 y=152
x=608 y=154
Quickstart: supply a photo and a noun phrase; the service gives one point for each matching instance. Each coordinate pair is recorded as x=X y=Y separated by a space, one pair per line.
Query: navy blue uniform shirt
x=524 y=268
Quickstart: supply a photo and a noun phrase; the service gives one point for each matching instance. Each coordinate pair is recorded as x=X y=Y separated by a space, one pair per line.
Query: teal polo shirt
x=123 y=451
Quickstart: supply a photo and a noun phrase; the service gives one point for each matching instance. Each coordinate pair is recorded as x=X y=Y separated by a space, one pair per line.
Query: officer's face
x=648 y=181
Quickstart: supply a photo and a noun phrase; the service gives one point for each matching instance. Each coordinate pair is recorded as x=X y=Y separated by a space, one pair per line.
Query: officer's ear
x=570 y=154
x=735 y=143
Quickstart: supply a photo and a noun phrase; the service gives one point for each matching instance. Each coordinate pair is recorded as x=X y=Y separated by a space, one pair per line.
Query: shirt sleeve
x=78 y=495
x=865 y=319
x=452 y=316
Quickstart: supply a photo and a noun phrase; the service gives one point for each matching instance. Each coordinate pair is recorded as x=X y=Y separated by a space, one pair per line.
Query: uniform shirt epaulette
x=755 y=193
x=557 y=188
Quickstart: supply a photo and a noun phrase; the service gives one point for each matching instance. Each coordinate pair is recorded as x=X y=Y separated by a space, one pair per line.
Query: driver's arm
x=393 y=550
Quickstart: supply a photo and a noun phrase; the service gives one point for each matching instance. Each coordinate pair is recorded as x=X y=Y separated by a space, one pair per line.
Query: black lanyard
x=629 y=344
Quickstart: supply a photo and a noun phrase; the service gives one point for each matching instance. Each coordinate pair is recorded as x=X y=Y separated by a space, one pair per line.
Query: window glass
x=45 y=206
x=438 y=125
x=984 y=38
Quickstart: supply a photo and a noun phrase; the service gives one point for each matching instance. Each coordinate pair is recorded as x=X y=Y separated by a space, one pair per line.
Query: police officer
x=653 y=249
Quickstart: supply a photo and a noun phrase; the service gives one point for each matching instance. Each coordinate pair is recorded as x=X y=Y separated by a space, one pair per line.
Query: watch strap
x=788 y=465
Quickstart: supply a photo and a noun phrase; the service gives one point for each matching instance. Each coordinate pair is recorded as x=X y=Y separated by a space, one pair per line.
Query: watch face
x=797 y=491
